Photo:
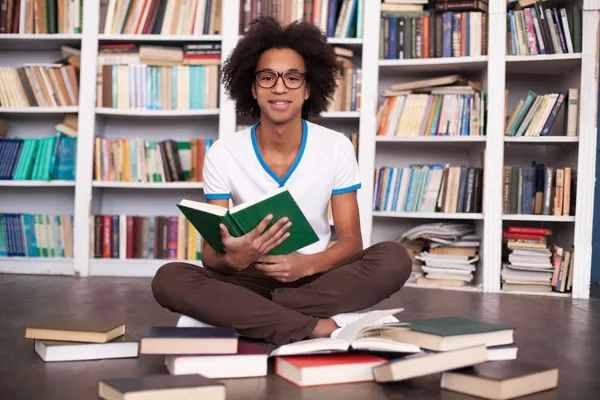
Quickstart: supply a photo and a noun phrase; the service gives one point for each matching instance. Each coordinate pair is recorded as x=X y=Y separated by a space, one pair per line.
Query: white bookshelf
x=496 y=70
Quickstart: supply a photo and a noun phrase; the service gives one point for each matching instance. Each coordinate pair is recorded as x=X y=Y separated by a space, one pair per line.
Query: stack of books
x=536 y=27
x=410 y=29
x=78 y=340
x=156 y=77
x=213 y=352
x=443 y=106
x=347 y=95
x=529 y=266
x=451 y=252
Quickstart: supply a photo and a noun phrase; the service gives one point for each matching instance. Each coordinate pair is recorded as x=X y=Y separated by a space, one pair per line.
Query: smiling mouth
x=279 y=105
x=280 y=102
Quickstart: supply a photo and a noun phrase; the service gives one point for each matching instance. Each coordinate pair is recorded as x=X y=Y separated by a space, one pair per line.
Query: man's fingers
x=224 y=231
x=277 y=239
x=269 y=268
x=256 y=232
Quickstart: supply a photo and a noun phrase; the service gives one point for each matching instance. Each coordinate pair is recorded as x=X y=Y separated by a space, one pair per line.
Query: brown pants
x=258 y=306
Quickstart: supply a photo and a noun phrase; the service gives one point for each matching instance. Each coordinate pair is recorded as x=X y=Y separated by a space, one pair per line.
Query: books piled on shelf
x=407 y=31
x=144 y=237
x=536 y=27
x=41 y=16
x=44 y=159
x=529 y=266
x=161 y=17
x=337 y=18
x=429 y=188
x=536 y=113
x=539 y=189
x=138 y=160
x=158 y=77
x=443 y=106
x=414 y=249
x=451 y=252
x=39 y=85
x=36 y=235
x=347 y=95
x=562 y=275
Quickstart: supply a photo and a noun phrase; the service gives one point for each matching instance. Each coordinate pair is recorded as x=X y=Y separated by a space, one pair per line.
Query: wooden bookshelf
x=497 y=70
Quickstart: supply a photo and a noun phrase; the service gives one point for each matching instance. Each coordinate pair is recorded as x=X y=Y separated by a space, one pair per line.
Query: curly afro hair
x=266 y=33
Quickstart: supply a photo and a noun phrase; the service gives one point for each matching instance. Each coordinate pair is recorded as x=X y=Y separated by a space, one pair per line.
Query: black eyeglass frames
x=268 y=79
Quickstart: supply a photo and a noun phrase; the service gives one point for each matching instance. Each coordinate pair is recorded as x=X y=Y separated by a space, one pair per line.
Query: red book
x=327 y=369
x=106 y=236
x=523 y=236
x=529 y=231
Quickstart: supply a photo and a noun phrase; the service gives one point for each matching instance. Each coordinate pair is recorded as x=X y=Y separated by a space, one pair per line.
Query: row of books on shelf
x=539 y=28
x=448 y=106
x=36 y=235
x=44 y=85
x=417 y=35
x=139 y=160
x=533 y=265
x=41 y=16
x=144 y=237
x=161 y=17
x=429 y=188
x=347 y=95
x=442 y=253
x=536 y=114
x=49 y=158
x=539 y=189
x=337 y=18
x=159 y=77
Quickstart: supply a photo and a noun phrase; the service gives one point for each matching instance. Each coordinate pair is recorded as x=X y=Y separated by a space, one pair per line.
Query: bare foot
x=324 y=328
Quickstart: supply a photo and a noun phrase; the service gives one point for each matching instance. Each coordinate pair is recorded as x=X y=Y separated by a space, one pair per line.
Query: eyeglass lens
x=291 y=79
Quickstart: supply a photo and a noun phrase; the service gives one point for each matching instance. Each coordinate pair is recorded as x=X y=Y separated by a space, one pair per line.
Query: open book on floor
x=361 y=334
x=244 y=217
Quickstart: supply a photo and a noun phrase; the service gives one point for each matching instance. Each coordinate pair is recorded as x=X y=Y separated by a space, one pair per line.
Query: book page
x=350 y=332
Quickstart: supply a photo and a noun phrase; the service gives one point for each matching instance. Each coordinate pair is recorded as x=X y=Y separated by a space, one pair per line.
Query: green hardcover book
x=243 y=218
x=451 y=333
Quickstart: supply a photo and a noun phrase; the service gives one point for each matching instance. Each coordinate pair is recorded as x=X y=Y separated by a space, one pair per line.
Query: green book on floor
x=243 y=218
x=451 y=333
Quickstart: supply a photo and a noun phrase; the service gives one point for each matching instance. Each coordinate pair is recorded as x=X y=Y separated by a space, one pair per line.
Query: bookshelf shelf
x=543 y=64
x=538 y=218
x=159 y=38
x=36 y=265
x=37 y=184
x=425 y=215
x=147 y=185
x=345 y=41
x=547 y=294
x=340 y=114
x=456 y=64
x=128 y=267
x=37 y=110
x=157 y=113
x=431 y=139
x=541 y=139
x=37 y=41
x=455 y=288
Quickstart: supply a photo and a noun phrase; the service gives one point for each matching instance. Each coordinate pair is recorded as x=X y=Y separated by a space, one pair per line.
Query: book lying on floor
x=358 y=335
x=249 y=361
x=450 y=333
x=181 y=387
x=51 y=350
x=178 y=340
x=244 y=217
x=501 y=379
x=327 y=369
x=73 y=330
x=427 y=363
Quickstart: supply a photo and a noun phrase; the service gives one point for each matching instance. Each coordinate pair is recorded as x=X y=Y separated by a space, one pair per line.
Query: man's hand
x=284 y=268
x=244 y=250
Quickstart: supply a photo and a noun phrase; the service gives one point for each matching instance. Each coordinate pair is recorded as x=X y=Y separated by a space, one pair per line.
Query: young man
x=282 y=77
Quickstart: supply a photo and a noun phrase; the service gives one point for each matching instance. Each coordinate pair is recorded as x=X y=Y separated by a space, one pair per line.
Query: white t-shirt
x=326 y=165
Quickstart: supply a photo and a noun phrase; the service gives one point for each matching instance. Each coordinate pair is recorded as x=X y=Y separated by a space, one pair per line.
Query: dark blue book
x=193 y=386
x=188 y=340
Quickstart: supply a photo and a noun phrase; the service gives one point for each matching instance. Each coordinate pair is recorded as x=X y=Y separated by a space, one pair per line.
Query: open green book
x=244 y=217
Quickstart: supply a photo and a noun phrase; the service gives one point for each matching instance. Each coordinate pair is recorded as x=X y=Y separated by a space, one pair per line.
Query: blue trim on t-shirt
x=262 y=162
x=217 y=196
x=346 y=189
